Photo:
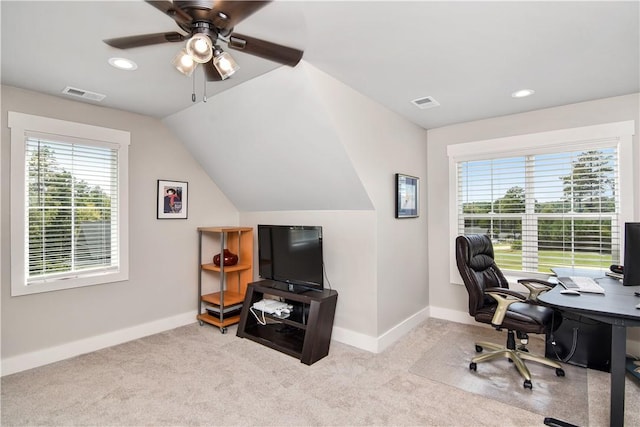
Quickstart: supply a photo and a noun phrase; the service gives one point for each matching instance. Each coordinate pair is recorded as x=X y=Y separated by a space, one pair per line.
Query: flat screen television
x=291 y=255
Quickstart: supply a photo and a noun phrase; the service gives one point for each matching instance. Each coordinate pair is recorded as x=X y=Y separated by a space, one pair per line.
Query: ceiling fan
x=207 y=22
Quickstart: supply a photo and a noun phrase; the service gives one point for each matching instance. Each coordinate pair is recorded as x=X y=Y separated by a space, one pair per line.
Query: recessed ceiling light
x=123 y=64
x=523 y=93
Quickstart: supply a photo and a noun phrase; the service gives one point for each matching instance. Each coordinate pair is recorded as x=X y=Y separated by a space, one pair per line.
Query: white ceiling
x=469 y=56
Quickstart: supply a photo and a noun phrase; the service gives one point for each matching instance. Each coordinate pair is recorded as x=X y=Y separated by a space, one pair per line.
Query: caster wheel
x=223 y=330
x=527 y=384
x=560 y=372
x=473 y=366
x=479 y=349
x=200 y=322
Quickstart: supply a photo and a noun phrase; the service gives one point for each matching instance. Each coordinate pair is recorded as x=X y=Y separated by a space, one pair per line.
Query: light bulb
x=184 y=63
x=225 y=64
x=201 y=46
x=186 y=60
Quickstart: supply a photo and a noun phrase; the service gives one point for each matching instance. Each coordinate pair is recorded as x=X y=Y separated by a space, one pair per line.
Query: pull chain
x=193 y=93
x=204 y=79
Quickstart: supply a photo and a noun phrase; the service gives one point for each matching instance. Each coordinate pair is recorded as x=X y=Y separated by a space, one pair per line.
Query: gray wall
x=307 y=149
x=380 y=144
x=377 y=263
x=443 y=295
x=163 y=253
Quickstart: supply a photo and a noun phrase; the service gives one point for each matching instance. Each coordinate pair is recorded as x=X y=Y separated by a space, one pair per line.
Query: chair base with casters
x=515 y=355
x=492 y=302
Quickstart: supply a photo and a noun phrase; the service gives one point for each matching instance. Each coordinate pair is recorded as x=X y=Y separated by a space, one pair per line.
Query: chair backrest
x=476 y=264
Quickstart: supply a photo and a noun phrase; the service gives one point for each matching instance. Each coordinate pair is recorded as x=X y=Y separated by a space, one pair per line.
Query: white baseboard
x=402 y=328
x=452 y=315
x=378 y=344
x=45 y=356
x=369 y=343
x=354 y=339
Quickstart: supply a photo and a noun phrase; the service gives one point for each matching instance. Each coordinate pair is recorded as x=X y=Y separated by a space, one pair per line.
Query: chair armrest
x=505 y=297
x=536 y=287
x=506 y=292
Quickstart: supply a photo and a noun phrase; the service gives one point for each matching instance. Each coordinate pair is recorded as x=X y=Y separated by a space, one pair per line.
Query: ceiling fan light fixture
x=224 y=63
x=200 y=48
x=184 y=63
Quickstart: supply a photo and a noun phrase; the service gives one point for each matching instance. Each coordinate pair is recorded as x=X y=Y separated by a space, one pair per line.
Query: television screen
x=291 y=254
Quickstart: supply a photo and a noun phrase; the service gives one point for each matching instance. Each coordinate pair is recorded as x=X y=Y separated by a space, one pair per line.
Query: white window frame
x=577 y=139
x=23 y=124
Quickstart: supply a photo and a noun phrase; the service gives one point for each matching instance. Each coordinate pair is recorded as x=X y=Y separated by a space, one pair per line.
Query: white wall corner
x=394 y=334
x=354 y=339
x=452 y=315
x=377 y=345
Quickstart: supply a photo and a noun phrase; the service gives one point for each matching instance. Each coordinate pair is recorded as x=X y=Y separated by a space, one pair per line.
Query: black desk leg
x=618 y=361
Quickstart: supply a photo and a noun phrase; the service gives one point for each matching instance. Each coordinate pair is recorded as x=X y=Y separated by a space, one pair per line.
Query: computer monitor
x=631 y=254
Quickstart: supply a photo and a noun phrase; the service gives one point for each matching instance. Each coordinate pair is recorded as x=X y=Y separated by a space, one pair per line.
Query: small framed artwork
x=173 y=197
x=407 y=190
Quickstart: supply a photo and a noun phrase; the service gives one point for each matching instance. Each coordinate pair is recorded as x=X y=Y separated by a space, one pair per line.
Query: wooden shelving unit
x=233 y=279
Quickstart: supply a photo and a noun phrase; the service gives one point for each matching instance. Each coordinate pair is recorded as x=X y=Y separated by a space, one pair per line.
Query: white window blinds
x=544 y=210
x=69 y=213
x=71 y=206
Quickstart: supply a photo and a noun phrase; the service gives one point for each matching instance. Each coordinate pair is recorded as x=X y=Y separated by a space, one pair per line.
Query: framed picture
x=407 y=190
x=173 y=197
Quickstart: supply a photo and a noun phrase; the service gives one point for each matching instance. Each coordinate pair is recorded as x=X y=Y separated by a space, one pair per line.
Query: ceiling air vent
x=426 y=102
x=85 y=94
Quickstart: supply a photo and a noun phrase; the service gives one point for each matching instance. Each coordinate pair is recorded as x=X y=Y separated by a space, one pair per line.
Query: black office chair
x=491 y=301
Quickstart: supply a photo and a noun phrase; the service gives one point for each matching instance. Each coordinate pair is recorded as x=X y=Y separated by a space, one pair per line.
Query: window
x=556 y=199
x=68 y=204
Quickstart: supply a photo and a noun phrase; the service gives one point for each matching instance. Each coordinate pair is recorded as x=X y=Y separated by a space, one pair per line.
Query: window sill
x=60 y=284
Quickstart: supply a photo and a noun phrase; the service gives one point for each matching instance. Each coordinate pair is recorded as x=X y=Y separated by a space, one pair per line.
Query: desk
x=617 y=308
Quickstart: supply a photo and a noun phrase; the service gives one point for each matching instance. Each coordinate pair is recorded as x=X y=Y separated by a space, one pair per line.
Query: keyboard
x=581 y=284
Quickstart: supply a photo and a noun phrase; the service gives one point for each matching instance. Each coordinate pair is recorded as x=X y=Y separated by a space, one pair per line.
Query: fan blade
x=264 y=49
x=144 y=40
x=227 y=14
x=211 y=72
x=175 y=13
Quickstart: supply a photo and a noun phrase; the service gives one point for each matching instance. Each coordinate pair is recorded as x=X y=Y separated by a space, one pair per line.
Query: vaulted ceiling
x=468 y=56
x=265 y=138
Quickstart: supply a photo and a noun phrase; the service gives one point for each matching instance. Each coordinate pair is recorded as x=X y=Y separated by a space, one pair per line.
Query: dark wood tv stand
x=305 y=334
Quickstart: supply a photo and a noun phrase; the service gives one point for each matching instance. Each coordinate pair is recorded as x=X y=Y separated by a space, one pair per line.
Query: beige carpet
x=196 y=376
x=563 y=398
